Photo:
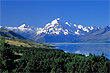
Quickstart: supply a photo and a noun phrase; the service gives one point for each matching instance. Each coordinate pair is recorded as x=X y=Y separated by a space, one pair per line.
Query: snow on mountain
x=67 y=24
x=51 y=28
x=58 y=27
x=96 y=36
x=80 y=26
x=91 y=28
x=77 y=32
x=0 y=26
x=23 y=30
x=75 y=25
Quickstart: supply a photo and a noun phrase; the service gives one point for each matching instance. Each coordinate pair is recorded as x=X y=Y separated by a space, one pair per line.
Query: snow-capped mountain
x=55 y=31
x=58 y=31
x=23 y=30
x=96 y=36
x=58 y=27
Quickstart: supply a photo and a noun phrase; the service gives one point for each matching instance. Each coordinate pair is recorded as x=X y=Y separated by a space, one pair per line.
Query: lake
x=85 y=48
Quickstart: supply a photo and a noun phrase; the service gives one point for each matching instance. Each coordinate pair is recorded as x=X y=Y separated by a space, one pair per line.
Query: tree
x=2 y=43
x=53 y=70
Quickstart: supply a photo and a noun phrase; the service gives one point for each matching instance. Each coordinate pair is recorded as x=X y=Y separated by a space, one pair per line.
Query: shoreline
x=80 y=43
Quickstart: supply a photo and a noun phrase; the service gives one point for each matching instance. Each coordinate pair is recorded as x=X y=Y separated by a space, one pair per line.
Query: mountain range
x=58 y=31
x=98 y=36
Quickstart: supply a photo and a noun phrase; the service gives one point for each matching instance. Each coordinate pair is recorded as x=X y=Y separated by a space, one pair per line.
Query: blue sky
x=39 y=13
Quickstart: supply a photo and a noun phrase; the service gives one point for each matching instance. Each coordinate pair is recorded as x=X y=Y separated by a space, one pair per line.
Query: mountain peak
x=58 y=18
x=80 y=26
x=55 y=21
x=67 y=23
x=75 y=25
x=58 y=27
x=107 y=28
x=23 y=25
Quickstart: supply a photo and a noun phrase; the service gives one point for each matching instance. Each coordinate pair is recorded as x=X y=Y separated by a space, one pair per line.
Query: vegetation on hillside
x=15 y=39
x=30 y=59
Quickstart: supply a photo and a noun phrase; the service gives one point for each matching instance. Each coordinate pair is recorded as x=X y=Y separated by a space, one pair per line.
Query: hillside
x=12 y=35
x=15 y=39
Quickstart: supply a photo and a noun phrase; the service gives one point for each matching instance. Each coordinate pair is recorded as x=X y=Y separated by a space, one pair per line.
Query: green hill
x=15 y=39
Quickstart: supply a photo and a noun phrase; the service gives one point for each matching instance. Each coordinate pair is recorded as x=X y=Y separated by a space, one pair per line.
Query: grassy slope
x=15 y=39
x=25 y=43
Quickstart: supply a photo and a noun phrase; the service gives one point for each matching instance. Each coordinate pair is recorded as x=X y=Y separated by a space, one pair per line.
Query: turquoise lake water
x=85 y=48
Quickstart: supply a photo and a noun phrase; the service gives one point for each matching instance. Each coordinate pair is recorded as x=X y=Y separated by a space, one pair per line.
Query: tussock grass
x=26 y=44
x=17 y=43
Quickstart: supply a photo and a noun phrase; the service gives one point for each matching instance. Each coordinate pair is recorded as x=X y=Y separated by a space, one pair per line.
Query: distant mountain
x=24 y=30
x=11 y=34
x=55 y=31
x=96 y=35
x=58 y=27
x=58 y=31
